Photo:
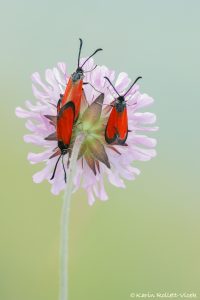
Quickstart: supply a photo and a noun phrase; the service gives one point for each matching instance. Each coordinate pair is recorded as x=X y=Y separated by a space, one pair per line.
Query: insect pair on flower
x=92 y=115
x=68 y=109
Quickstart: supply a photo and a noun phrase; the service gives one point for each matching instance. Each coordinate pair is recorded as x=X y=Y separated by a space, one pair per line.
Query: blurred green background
x=145 y=238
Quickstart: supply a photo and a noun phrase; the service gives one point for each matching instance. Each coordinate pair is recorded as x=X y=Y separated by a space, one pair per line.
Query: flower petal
x=91 y=198
x=93 y=112
x=38 y=157
x=122 y=82
x=145 y=118
x=51 y=137
x=99 y=152
x=90 y=161
x=41 y=175
x=143 y=140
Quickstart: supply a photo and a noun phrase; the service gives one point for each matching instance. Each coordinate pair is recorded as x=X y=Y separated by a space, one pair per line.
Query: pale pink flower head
x=97 y=160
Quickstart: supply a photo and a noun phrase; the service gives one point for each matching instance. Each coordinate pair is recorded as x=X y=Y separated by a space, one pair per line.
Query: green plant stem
x=65 y=220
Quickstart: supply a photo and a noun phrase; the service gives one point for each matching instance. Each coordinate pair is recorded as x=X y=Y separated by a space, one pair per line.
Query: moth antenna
x=92 y=86
x=112 y=85
x=54 y=171
x=65 y=175
x=79 y=53
x=131 y=104
x=99 y=49
x=132 y=85
x=110 y=92
x=90 y=70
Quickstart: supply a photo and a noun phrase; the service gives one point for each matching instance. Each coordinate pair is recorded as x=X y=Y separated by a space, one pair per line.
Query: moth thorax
x=62 y=147
x=78 y=75
x=120 y=104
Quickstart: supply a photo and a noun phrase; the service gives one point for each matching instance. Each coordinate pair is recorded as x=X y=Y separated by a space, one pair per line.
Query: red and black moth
x=68 y=108
x=64 y=127
x=74 y=88
x=116 y=131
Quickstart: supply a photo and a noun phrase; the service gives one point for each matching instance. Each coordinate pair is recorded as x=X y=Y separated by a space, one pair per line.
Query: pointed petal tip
x=51 y=137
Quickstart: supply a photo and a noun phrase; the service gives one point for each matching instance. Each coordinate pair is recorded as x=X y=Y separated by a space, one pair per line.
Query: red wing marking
x=65 y=121
x=117 y=127
x=73 y=93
